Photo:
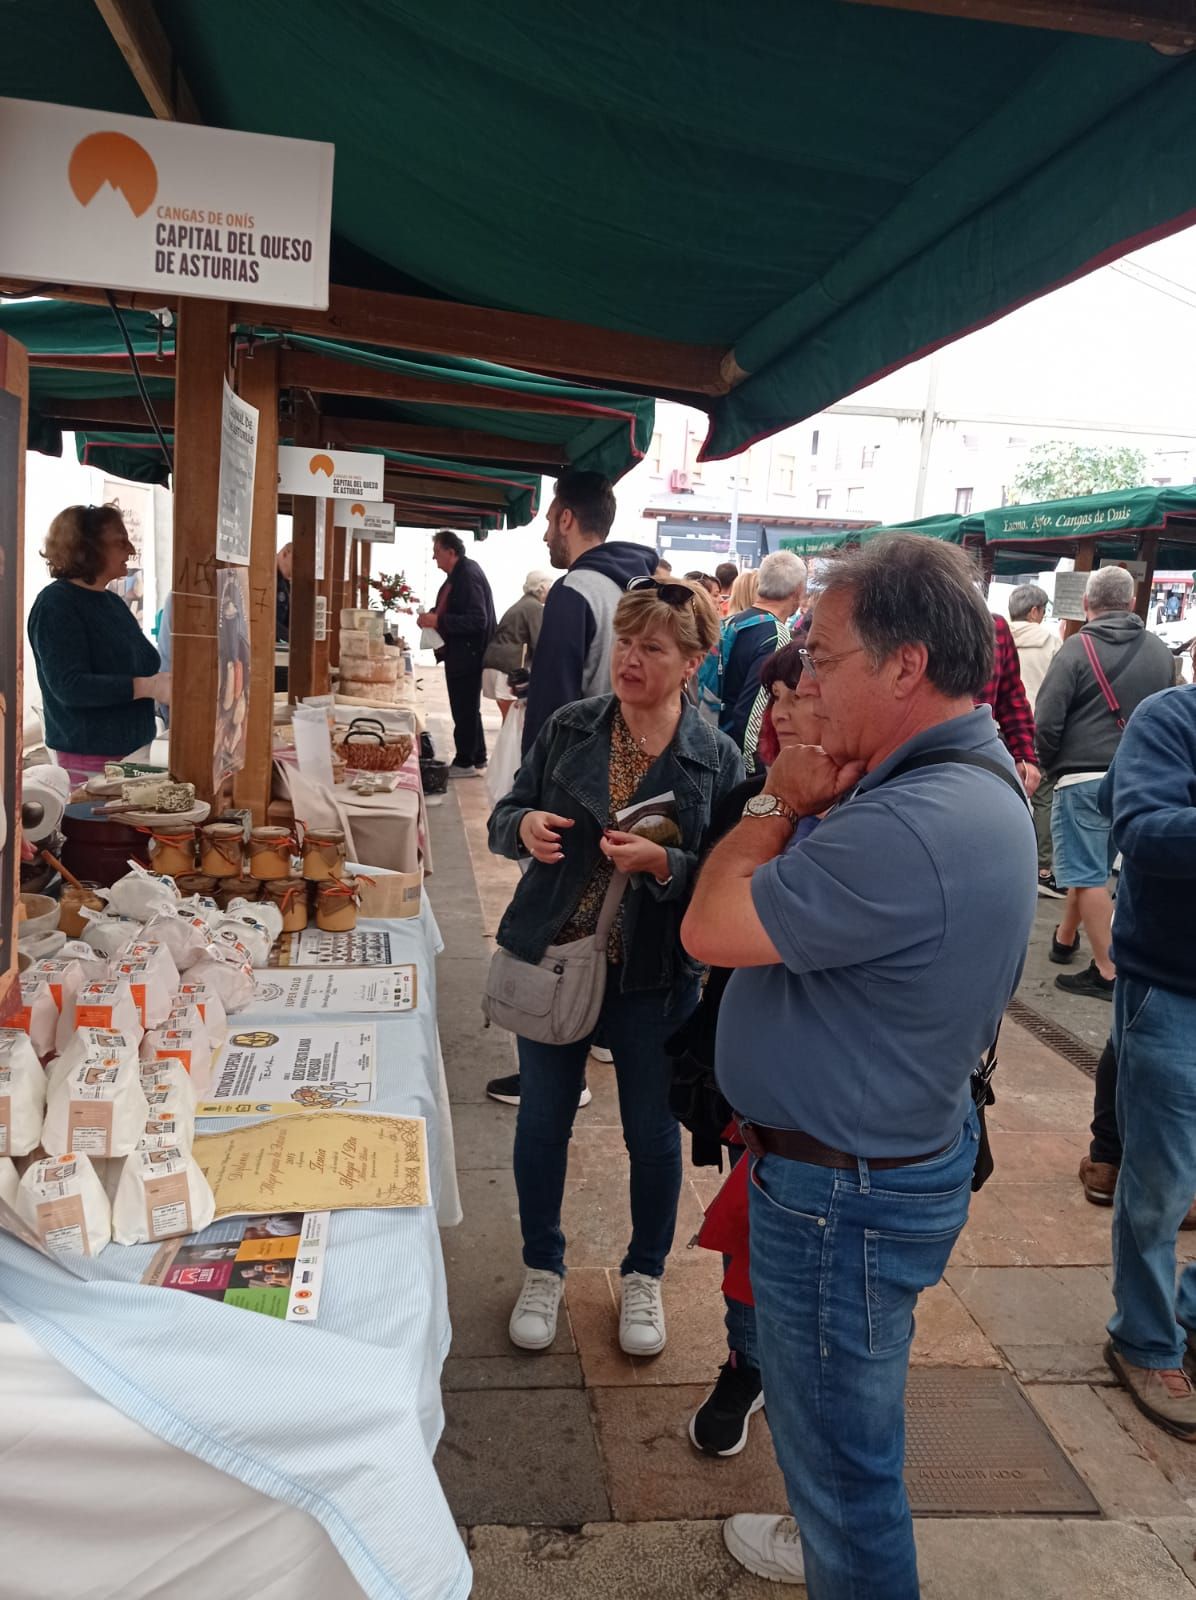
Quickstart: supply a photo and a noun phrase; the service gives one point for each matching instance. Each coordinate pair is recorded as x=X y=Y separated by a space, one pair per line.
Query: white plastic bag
x=506 y=754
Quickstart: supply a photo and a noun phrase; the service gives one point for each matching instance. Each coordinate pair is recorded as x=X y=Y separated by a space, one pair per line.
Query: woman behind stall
x=98 y=672
x=514 y=642
x=592 y=759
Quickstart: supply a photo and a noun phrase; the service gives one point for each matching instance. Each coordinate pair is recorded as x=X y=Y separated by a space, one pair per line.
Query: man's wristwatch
x=770 y=805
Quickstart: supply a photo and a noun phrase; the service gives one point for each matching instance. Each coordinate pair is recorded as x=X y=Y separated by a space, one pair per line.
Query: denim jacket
x=567 y=771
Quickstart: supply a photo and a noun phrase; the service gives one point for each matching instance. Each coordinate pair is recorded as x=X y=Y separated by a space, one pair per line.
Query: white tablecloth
x=206 y=1439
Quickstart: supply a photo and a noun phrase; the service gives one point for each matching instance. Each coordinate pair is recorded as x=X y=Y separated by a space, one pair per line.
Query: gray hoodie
x=1076 y=731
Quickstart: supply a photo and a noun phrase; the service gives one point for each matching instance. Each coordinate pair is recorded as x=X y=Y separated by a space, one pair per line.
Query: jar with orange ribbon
x=290 y=896
x=270 y=852
x=221 y=849
x=336 y=905
x=238 y=888
x=323 y=854
x=172 y=848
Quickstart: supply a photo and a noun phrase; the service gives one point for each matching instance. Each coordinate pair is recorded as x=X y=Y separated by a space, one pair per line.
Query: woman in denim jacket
x=592 y=759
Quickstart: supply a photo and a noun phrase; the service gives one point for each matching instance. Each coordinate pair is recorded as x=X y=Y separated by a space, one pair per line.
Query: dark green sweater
x=88 y=650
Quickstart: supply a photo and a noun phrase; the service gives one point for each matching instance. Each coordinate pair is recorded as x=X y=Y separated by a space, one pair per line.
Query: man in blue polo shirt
x=847 y=1040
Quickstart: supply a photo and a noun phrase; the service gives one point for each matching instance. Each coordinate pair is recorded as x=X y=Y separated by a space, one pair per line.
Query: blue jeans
x=838 y=1261
x=740 y=1319
x=634 y=1027
x=1154 y=1036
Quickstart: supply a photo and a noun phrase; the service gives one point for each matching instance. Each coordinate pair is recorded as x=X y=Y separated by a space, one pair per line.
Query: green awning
x=1118 y=512
x=951 y=529
x=823 y=191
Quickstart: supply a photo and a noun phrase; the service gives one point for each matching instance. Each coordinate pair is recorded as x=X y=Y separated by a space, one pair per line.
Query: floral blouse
x=629 y=766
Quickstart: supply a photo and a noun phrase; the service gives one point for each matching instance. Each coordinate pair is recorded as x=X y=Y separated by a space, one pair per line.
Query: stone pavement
x=571 y=1472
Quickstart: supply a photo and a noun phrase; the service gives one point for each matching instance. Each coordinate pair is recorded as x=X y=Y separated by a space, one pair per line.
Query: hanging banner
x=238 y=460
x=137 y=203
x=232 y=653
x=346 y=474
x=365 y=520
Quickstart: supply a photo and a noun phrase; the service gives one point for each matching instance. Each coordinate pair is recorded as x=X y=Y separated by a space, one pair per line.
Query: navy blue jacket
x=467 y=621
x=567 y=771
x=573 y=651
x=1150 y=792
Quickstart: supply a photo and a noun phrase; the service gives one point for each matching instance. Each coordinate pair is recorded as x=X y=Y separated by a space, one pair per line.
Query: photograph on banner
x=318 y=1066
x=238 y=459
x=232 y=651
x=365 y=520
x=273 y=1264
x=135 y=502
x=342 y=474
x=139 y=203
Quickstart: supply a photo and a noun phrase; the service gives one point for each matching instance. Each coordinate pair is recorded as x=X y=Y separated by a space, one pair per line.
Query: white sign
x=366 y=520
x=238 y=461
x=321 y=617
x=1136 y=569
x=137 y=203
x=1069 y=595
x=318 y=1065
x=346 y=474
x=277 y=990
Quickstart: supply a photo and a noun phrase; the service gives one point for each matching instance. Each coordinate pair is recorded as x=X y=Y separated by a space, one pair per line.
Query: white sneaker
x=533 y=1321
x=768 y=1546
x=601 y=1053
x=641 y=1316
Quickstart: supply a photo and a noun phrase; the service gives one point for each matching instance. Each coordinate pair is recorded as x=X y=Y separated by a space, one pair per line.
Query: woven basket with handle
x=366 y=746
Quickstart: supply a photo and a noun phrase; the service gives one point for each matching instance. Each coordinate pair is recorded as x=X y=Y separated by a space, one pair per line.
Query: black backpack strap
x=960 y=758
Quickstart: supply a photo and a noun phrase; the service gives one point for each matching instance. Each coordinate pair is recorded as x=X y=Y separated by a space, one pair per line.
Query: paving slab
x=1089 y=1020
x=521 y=1456
x=596 y=1215
x=522 y=1369
x=697 y=1343
x=1066 y=1230
x=484 y=1133
x=1049 y=1322
x=1034 y=1558
x=947 y=1335
x=1127 y=1484
x=653 y=1470
x=484 y=1267
x=1061 y=1110
x=1179 y=1535
x=1173 y=1457
x=1036 y=1157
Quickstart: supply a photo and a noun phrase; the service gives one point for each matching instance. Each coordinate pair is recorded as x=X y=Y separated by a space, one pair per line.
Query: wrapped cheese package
x=186 y=936
x=167 y=1086
x=36 y=1014
x=141 y=894
x=168 y=1130
x=64 y=977
x=63 y=1201
x=22 y=1094
x=210 y=1006
x=151 y=986
x=10 y=1180
x=187 y=1049
x=157 y=954
x=96 y=1111
x=162 y=1193
x=232 y=982
x=109 y=1005
x=107 y=935
x=201 y=907
x=101 y=1047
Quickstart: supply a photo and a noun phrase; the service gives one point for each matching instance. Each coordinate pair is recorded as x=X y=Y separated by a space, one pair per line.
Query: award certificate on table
x=364 y=947
x=308 y=991
x=331 y=1163
x=318 y=1066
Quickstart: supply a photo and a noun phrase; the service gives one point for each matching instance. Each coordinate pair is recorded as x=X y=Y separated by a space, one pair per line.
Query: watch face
x=761 y=805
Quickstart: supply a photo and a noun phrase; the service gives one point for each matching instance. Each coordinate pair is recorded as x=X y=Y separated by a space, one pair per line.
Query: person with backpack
x=1093 y=684
x=729 y=679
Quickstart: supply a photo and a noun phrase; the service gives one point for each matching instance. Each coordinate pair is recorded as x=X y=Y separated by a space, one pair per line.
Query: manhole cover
x=975 y=1447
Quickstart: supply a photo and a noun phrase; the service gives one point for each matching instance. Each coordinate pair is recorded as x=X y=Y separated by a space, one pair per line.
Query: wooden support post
x=353 y=590
x=319 y=650
x=363 y=578
x=1148 y=551
x=1085 y=560
x=202 y=366
x=14 y=392
x=336 y=596
x=303 y=570
x=257 y=384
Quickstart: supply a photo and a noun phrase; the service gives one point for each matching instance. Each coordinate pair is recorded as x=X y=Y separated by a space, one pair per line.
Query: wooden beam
x=140 y=38
x=354 y=572
x=202 y=366
x=257 y=384
x=302 y=369
x=1170 y=23
x=463 y=491
x=1148 y=551
x=303 y=571
x=355 y=433
x=119 y=412
x=14 y=381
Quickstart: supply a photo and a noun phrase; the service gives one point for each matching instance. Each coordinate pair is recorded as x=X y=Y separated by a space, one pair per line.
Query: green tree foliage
x=1058 y=471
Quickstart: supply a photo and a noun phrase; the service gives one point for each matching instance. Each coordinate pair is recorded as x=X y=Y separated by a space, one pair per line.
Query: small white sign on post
x=238 y=462
x=137 y=203
x=321 y=617
x=366 y=520
x=345 y=474
x=1069 y=595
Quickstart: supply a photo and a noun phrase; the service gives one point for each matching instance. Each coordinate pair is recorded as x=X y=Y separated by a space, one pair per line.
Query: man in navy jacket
x=1150 y=791
x=464 y=618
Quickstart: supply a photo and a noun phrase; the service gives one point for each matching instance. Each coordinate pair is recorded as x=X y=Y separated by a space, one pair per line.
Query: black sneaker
x=1063 y=954
x=1049 y=888
x=719 y=1427
x=1089 y=983
x=506 y=1091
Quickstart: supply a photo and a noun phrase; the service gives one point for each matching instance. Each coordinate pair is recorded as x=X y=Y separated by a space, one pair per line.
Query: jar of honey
x=196 y=883
x=336 y=905
x=270 y=852
x=237 y=888
x=290 y=896
x=70 y=907
x=323 y=854
x=172 y=848
x=220 y=849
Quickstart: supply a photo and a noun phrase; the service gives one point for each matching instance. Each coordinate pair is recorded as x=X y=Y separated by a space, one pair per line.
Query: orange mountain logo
x=324 y=464
x=357 y=511
x=115 y=159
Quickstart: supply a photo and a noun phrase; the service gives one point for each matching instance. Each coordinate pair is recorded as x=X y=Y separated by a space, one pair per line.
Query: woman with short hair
x=99 y=674
x=514 y=642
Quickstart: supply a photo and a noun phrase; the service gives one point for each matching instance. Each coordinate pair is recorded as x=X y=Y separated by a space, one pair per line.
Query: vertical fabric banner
x=232 y=644
x=238 y=463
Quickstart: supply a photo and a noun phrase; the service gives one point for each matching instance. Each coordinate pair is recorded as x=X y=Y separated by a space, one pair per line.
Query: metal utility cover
x=976 y=1447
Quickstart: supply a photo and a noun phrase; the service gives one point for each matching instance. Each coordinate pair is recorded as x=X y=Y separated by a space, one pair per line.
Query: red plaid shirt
x=1005 y=694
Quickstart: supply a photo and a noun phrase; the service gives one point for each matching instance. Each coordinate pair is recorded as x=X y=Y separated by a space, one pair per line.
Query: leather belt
x=794 y=1145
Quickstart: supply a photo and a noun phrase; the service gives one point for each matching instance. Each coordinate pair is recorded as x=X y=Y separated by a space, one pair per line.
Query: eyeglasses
x=673 y=594
x=817 y=665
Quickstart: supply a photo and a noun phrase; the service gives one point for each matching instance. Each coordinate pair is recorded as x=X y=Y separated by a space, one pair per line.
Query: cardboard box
x=392 y=894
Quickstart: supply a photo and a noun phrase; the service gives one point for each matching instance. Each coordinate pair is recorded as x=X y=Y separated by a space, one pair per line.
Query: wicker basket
x=366 y=746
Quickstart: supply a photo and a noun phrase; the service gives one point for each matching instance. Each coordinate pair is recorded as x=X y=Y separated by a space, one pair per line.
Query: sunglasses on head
x=673 y=594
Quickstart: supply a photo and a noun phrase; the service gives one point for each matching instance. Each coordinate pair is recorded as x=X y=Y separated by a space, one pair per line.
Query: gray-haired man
x=749 y=638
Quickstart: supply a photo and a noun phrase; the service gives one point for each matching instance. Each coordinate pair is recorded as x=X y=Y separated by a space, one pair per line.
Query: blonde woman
x=743 y=592
x=590 y=761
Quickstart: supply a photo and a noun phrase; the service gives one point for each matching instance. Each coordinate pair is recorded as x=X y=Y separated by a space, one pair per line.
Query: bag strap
x=1106 y=688
x=961 y=758
x=615 y=891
